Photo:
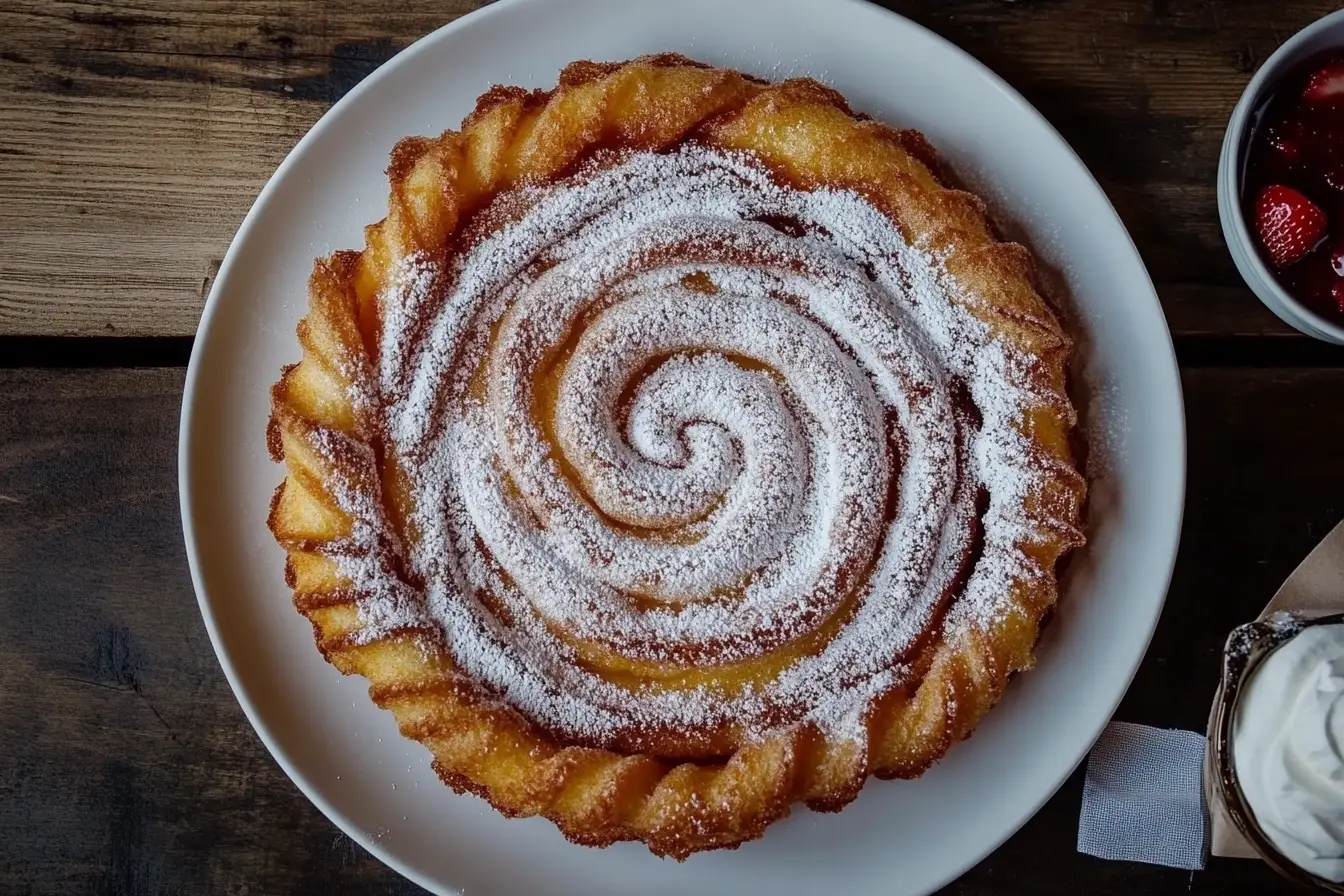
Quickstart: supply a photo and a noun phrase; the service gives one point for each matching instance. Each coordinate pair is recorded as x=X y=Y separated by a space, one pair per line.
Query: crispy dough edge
x=598 y=797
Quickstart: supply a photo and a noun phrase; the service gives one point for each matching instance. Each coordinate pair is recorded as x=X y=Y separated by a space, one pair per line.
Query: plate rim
x=1164 y=357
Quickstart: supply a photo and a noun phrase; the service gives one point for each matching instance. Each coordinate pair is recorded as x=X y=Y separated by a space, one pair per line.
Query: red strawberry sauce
x=1299 y=143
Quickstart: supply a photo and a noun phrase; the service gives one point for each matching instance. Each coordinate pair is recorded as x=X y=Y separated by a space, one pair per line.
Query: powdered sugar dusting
x=657 y=417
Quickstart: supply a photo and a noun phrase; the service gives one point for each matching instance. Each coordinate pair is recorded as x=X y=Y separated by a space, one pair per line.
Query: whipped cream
x=1288 y=749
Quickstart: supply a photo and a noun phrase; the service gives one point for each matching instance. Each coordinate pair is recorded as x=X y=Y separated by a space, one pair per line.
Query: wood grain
x=134 y=137
x=129 y=768
x=132 y=142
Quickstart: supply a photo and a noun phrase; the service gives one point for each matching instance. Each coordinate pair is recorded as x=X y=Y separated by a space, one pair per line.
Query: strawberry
x=1289 y=224
x=1337 y=260
x=1333 y=178
x=1285 y=140
x=1325 y=84
x=1316 y=280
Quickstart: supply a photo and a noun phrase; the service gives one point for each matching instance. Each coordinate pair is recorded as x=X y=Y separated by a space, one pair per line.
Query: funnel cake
x=679 y=448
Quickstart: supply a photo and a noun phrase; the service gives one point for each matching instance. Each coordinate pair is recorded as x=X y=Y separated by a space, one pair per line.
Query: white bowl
x=1320 y=35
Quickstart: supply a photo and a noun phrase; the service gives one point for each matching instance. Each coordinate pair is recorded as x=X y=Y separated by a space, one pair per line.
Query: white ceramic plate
x=898 y=837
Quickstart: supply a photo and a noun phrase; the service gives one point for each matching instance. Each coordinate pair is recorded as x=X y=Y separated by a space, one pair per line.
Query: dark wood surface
x=134 y=136
x=126 y=766
x=132 y=139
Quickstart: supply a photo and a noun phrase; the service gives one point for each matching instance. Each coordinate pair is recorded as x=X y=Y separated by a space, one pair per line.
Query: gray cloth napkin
x=1143 y=798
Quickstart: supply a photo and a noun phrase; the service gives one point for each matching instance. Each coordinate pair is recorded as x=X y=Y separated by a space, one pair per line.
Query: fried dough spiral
x=677 y=449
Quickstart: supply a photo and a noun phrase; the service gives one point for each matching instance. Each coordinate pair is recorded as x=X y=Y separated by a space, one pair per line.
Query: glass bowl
x=1247 y=647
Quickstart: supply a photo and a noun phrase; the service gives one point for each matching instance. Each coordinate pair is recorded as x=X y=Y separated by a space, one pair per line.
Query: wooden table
x=132 y=140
